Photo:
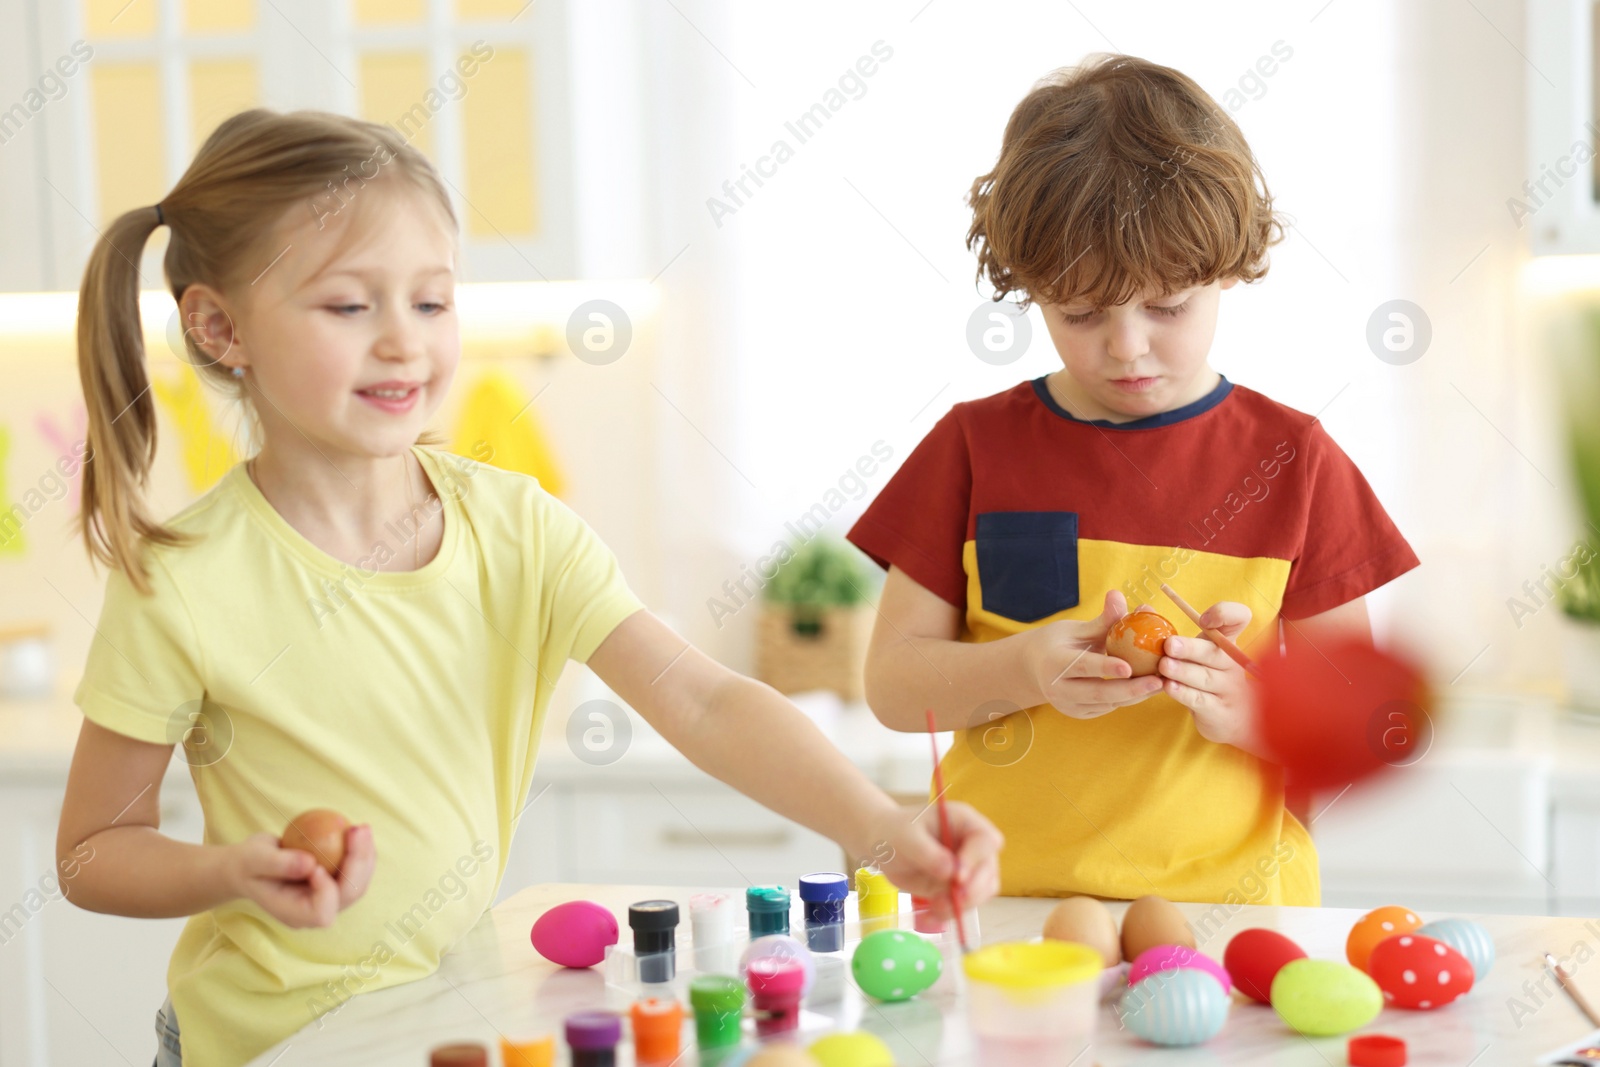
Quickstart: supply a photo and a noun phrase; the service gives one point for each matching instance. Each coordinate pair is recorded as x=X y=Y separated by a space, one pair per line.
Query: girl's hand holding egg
x=321 y=866
x=1201 y=677
x=1068 y=663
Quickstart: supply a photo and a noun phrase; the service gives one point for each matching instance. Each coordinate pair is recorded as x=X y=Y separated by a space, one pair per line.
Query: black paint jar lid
x=653 y=916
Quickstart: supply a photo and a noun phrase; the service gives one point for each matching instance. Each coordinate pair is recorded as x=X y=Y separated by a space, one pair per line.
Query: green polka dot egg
x=895 y=965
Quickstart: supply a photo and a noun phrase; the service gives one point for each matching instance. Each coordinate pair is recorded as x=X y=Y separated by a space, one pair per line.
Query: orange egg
x=320 y=833
x=1139 y=638
x=1373 y=927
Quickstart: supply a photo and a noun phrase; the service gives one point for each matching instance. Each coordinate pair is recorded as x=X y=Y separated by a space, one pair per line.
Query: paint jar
x=592 y=1036
x=655 y=946
x=768 y=906
x=718 y=1003
x=823 y=897
x=657 y=1031
x=712 y=918
x=464 y=1054
x=923 y=920
x=776 y=986
x=877 y=901
x=540 y=1052
x=1032 y=1002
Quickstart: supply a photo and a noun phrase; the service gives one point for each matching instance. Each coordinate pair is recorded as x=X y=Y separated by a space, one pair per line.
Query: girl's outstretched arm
x=112 y=857
x=746 y=734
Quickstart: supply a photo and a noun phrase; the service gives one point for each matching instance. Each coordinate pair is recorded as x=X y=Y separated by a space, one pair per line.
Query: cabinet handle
x=677 y=838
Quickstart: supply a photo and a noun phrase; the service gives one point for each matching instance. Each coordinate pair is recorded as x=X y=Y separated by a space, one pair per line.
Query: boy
x=1026 y=523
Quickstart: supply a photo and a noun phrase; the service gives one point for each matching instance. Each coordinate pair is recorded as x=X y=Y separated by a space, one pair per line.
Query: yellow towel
x=207 y=454
x=498 y=425
x=12 y=516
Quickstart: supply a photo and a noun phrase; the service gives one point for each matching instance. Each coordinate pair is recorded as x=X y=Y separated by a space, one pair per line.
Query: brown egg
x=1088 y=922
x=1139 y=638
x=320 y=833
x=1151 y=921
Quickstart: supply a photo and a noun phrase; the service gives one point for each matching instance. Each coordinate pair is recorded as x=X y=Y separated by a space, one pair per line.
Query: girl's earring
x=238 y=372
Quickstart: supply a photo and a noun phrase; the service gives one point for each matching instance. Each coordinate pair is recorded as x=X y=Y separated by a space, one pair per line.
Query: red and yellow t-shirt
x=1021 y=515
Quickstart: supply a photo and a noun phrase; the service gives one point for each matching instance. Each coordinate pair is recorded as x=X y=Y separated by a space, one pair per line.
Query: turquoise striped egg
x=1466 y=937
x=1181 y=1007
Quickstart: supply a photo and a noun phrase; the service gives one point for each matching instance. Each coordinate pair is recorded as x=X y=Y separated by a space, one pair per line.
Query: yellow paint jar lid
x=875 y=894
x=540 y=1052
x=1033 y=964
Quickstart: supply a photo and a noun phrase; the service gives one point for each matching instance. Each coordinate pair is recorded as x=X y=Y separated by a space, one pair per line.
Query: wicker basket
x=795 y=653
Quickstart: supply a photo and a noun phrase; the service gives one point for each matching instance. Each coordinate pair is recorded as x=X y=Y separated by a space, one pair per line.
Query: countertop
x=494 y=984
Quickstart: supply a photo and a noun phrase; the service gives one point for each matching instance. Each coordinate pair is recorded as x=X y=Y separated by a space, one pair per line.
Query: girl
x=305 y=656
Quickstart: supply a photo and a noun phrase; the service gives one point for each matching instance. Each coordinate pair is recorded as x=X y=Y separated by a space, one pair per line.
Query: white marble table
x=494 y=984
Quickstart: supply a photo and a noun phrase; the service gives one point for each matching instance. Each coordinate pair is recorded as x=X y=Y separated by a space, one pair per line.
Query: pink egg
x=575 y=934
x=1174 y=958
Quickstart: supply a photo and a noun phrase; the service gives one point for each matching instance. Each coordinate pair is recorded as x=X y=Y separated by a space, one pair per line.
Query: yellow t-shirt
x=1022 y=515
x=412 y=701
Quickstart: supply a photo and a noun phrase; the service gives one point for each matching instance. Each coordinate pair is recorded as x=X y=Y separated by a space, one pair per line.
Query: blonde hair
x=1115 y=177
x=254 y=168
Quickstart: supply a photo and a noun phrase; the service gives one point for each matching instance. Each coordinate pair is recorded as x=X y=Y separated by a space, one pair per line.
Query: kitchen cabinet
x=479 y=86
x=1559 y=205
x=76 y=986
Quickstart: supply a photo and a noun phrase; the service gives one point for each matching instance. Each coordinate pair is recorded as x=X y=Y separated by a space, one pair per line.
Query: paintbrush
x=1234 y=652
x=1572 y=990
x=945 y=837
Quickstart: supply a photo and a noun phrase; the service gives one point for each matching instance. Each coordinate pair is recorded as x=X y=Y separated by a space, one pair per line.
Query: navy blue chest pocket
x=1028 y=563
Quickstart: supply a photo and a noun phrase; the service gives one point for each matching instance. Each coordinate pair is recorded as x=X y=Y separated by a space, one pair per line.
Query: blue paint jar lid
x=766 y=898
x=816 y=888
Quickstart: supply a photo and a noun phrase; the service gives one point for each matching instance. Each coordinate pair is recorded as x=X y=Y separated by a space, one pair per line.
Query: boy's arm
x=1348 y=619
x=744 y=733
x=916 y=661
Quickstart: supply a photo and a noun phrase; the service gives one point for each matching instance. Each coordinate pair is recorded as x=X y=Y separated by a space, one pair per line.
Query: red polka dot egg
x=1418 y=972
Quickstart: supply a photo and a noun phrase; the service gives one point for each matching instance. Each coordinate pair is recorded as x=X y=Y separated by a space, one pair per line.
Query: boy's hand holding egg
x=1204 y=679
x=1193 y=670
x=319 y=867
x=1068 y=663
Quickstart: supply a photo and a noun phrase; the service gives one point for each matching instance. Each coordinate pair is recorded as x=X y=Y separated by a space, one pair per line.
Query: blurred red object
x=1342 y=711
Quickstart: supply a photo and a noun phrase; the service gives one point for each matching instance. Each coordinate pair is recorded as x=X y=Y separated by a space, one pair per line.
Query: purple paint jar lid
x=816 y=888
x=590 y=1030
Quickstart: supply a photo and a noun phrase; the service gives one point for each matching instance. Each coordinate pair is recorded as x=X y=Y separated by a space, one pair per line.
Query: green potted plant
x=817 y=619
x=1579 y=598
x=1574 y=333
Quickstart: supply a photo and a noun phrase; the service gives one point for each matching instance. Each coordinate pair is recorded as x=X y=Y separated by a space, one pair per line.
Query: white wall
x=828 y=311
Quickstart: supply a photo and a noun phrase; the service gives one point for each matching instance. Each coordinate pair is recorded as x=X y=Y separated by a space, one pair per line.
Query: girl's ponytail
x=115 y=516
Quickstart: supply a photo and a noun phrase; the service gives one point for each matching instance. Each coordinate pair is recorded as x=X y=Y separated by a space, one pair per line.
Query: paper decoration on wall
x=498 y=425
x=70 y=446
x=207 y=453
x=12 y=515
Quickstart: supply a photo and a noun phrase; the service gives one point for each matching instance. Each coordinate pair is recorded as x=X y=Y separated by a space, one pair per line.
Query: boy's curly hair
x=1116 y=177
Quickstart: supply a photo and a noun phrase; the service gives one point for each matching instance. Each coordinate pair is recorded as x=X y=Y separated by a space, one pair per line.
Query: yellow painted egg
x=858 y=1049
